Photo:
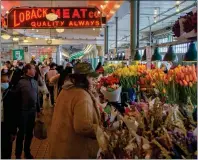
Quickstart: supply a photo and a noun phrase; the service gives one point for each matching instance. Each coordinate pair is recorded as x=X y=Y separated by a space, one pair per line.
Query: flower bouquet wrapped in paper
x=110 y=88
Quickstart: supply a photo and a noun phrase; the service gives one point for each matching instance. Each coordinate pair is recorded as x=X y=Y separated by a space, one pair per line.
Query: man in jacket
x=27 y=88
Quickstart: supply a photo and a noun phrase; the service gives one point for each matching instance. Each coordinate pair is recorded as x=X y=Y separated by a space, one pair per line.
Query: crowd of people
x=70 y=89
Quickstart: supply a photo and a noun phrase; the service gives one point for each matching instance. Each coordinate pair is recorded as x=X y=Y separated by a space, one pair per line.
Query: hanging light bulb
x=155 y=19
x=51 y=16
x=15 y=39
x=155 y=11
x=6 y=36
x=177 y=2
x=60 y=30
x=177 y=9
x=117 y=6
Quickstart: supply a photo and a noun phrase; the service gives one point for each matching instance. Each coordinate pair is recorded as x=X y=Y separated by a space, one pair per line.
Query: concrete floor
x=39 y=148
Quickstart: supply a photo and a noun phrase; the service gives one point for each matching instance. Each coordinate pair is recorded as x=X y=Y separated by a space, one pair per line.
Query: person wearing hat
x=72 y=134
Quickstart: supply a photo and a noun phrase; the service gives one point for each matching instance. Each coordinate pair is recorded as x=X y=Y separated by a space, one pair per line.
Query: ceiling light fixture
x=32 y=29
x=117 y=6
x=6 y=36
x=60 y=30
x=36 y=37
x=177 y=2
x=15 y=39
x=7 y=12
x=37 y=30
x=155 y=11
x=177 y=9
x=2 y=7
x=25 y=40
x=52 y=16
x=94 y=29
x=112 y=11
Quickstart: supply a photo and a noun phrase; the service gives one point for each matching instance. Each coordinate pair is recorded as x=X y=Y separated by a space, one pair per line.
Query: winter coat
x=54 y=82
x=72 y=134
x=27 y=89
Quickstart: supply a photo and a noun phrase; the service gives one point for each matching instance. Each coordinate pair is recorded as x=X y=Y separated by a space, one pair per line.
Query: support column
x=95 y=59
x=116 y=38
x=133 y=27
x=106 y=39
x=26 y=54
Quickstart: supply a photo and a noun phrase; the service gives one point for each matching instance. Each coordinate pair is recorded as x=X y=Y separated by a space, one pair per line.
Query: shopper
x=72 y=134
x=59 y=80
x=52 y=72
x=27 y=88
x=99 y=68
x=41 y=85
x=8 y=119
x=65 y=63
x=17 y=74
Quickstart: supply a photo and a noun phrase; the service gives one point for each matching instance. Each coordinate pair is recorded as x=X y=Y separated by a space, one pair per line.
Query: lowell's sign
x=67 y=18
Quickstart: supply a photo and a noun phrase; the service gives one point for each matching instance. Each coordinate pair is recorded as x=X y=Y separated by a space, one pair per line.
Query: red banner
x=67 y=18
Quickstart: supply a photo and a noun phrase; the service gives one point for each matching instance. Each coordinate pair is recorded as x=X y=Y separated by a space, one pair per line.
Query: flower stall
x=154 y=128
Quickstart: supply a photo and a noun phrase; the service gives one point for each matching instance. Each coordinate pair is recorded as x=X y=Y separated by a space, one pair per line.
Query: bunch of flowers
x=151 y=130
x=110 y=68
x=128 y=76
x=176 y=29
x=186 y=78
x=190 y=22
x=109 y=83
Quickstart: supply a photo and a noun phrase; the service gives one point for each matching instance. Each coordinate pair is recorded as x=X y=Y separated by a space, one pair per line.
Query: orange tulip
x=185 y=83
x=187 y=78
x=181 y=83
x=190 y=77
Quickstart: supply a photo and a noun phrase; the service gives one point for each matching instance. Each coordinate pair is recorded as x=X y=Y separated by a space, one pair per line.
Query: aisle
x=39 y=148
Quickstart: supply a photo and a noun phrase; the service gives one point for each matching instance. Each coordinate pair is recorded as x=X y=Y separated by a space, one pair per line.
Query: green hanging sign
x=18 y=54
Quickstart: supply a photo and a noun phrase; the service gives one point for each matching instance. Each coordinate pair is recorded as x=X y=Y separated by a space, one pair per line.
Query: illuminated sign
x=67 y=18
x=3 y=22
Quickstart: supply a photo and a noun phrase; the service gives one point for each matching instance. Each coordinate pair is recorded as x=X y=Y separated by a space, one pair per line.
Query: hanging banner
x=73 y=17
x=18 y=54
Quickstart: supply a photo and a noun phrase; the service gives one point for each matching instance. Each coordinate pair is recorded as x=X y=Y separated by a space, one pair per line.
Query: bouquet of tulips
x=186 y=78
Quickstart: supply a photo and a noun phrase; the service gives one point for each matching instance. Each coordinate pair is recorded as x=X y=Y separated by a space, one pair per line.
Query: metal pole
x=133 y=27
x=116 y=38
x=138 y=23
x=107 y=37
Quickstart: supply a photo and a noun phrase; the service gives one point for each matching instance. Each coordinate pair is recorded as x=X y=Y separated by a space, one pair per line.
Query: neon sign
x=67 y=18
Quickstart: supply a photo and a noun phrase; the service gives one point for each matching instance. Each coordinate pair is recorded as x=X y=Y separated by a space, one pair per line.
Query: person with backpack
x=9 y=116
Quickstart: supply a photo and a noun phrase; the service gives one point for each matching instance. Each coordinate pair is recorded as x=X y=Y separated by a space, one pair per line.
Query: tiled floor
x=39 y=148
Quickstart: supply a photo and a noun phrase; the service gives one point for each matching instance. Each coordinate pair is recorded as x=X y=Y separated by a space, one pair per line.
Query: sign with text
x=18 y=54
x=77 y=17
